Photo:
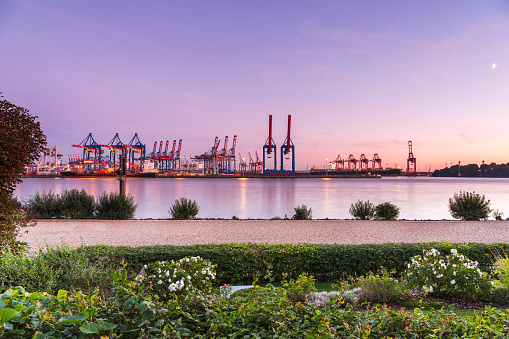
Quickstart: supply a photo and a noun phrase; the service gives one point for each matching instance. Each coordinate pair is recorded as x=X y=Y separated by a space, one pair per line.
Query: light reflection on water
x=417 y=197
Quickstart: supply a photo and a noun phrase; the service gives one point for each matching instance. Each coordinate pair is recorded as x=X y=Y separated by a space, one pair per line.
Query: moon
x=493 y=66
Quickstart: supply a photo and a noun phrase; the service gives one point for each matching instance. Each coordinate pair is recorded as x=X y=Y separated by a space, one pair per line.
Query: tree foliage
x=21 y=141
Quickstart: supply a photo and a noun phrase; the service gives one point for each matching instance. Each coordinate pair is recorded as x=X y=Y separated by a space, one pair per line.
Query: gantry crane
x=288 y=151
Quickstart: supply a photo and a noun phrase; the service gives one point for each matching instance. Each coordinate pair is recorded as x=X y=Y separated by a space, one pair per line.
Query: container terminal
x=166 y=160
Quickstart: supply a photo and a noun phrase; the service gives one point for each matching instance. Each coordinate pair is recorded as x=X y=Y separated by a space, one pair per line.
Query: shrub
x=183 y=209
x=302 y=213
x=115 y=206
x=79 y=268
x=77 y=204
x=300 y=289
x=32 y=272
x=362 y=210
x=46 y=205
x=469 y=206
x=449 y=275
x=379 y=288
x=167 y=279
x=386 y=211
x=497 y=214
x=501 y=270
x=261 y=294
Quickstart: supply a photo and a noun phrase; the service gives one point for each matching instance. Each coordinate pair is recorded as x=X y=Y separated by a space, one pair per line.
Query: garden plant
x=178 y=278
x=131 y=310
x=77 y=204
x=302 y=212
x=363 y=210
x=183 y=209
x=469 y=206
x=386 y=211
x=447 y=275
x=115 y=206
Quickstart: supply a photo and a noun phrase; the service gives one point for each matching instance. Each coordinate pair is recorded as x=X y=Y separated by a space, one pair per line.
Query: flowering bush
x=167 y=279
x=447 y=275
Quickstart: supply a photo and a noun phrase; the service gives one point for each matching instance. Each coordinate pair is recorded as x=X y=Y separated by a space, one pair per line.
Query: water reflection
x=418 y=198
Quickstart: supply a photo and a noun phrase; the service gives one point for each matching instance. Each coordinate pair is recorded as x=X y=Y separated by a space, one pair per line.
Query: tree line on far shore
x=473 y=170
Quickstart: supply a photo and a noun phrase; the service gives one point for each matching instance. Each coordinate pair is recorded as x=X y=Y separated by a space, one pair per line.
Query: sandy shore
x=189 y=232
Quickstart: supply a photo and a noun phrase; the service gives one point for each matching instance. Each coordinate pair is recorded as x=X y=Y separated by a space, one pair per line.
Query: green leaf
x=62 y=294
x=106 y=326
x=131 y=301
x=19 y=307
x=8 y=314
x=90 y=328
x=34 y=295
x=73 y=318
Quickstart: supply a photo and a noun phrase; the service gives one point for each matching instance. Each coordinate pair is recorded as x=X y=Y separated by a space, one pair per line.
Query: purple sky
x=357 y=77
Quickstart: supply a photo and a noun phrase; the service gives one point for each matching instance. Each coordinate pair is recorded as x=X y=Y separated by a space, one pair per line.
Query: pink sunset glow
x=357 y=77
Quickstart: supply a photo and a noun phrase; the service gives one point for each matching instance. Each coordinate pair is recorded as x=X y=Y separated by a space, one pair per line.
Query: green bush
x=302 y=213
x=363 y=210
x=77 y=204
x=79 y=268
x=46 y=205
x=379 y=288
x=501 y=271
x=242 y=263
x=183 y=209
x=167 y=279
x=31 y=271
x=447 y=275
x=261 y=294
x=115 y=206
x=469 y=206
x=386 y=211
x=300 y=289
x=497 y=214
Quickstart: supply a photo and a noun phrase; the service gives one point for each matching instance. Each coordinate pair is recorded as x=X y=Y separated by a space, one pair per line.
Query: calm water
x=417 y=197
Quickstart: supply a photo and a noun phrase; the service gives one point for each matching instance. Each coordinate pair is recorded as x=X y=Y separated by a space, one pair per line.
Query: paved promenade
x=173 y=232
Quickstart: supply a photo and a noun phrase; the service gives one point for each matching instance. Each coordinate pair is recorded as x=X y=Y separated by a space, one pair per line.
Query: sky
x=358 y=77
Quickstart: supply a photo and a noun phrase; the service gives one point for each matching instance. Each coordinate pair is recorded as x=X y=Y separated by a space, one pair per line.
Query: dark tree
x=21 y=141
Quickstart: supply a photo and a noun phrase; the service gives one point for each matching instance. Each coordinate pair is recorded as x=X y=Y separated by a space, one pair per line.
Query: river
x=419 y=198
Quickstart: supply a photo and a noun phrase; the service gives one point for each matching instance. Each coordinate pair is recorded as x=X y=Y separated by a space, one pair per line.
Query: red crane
x=340 y=163
x=411 y=163
x=376 y=160
x=352 y=160
x=364 y=162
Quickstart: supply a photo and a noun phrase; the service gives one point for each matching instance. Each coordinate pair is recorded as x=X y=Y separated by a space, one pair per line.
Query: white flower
x=454 y=251
x=454 y=273
x=453 y=282
x=440 y=276
x=159 y=282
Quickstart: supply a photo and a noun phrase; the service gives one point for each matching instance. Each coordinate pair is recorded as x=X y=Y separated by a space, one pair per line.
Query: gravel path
x=189 y=232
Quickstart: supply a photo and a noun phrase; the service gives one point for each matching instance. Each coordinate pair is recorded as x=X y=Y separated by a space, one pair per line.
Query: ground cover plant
x=183 y=209
x=469 y=206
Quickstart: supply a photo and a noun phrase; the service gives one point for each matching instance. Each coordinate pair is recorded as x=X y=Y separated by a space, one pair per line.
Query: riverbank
x=134 y=233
